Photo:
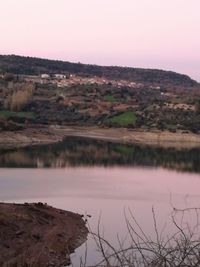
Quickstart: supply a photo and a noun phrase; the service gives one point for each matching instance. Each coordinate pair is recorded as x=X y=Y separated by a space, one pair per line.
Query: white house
x=45 y=76
x=60 y=76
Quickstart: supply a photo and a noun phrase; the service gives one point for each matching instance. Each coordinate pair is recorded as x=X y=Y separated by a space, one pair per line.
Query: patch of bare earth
x=55 y=133
x=38 y=235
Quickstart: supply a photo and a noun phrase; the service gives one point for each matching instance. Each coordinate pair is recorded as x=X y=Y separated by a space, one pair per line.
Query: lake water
x=104 y=180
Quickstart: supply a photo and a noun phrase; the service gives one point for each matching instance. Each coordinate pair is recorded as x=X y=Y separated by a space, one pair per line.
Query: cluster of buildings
x=57 y=76
x=62 y=80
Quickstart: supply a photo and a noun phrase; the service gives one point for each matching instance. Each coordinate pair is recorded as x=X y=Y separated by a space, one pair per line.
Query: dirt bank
x=38 y=235
x=44 y=135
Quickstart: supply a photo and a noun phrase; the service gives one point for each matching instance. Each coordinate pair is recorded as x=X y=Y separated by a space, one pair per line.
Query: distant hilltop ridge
x=36 y=66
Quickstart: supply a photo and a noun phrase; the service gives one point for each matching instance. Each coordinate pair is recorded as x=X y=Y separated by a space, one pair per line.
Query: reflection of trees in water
x=76 y=151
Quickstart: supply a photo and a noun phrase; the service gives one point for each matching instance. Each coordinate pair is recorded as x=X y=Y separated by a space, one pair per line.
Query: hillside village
x=63 y=80
x=69 y=98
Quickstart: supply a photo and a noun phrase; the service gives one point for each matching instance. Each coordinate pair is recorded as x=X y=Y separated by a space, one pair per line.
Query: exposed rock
x=38 y=235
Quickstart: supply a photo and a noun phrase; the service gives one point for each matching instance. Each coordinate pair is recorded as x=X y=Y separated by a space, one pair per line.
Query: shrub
x=178 y=248
x=19 y=97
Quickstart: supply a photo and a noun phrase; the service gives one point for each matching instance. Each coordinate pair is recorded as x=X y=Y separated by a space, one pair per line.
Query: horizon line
x=100 y=65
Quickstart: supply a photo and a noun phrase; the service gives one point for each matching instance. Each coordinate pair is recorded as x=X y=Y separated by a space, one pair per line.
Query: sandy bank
x=53 y=134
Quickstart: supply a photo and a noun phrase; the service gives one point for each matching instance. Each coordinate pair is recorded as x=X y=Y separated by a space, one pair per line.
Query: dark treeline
x=35 y=66
x=75 y=151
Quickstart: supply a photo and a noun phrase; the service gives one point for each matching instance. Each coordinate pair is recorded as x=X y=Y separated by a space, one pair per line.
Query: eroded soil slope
x=38 y=235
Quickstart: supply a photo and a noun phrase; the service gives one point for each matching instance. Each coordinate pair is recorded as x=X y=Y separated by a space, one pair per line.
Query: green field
x=12 y=114
x=124 y=119
x=109 y=98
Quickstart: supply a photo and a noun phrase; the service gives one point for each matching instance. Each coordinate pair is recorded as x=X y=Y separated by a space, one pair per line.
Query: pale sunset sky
x=138 y=33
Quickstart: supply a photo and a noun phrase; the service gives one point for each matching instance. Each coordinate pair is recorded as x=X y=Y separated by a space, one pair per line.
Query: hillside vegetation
x=48 y=92
x=35 y=66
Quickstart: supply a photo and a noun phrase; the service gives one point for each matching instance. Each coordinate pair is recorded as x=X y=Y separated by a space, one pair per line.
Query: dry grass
x=20 y=96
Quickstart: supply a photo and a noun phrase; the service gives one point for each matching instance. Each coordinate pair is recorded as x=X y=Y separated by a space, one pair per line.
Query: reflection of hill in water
x=76 y=151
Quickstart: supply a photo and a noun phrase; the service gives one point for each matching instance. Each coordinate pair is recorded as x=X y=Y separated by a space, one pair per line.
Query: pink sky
x=137 y=33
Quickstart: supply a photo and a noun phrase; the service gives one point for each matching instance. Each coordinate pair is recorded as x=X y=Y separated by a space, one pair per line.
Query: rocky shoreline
x=52 y=134
x=38 y=235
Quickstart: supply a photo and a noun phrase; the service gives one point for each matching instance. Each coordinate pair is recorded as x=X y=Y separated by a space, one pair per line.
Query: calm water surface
x=103 y=179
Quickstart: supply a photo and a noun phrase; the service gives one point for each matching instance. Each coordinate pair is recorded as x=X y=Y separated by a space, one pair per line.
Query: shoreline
x=35 y=234
x=53 y=134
